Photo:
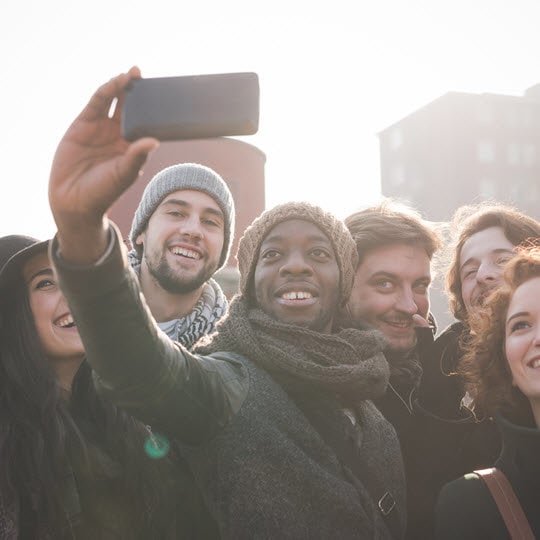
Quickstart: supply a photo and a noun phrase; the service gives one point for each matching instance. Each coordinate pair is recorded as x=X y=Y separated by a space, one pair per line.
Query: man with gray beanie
x=181 y=235
x=273 y=414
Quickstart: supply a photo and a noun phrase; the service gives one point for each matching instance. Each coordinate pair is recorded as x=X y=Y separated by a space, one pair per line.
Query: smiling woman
x=502 y=368
x=54 y=324
x=64 y=470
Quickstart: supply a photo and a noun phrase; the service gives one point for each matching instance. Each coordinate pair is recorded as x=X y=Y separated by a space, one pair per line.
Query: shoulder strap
x=514 y=518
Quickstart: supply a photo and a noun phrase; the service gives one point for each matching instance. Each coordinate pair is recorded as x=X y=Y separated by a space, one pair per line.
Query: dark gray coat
x=263 y=468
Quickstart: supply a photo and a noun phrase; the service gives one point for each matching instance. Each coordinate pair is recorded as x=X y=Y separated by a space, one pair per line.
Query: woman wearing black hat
x=72 y=465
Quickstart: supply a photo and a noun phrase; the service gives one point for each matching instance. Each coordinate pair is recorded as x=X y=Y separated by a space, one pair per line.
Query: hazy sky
x=332 y=75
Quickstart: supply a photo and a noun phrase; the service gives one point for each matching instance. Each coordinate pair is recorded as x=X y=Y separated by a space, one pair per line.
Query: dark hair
x=484 y=365
x=471 y=219
x=42 y=432
x=391 y=222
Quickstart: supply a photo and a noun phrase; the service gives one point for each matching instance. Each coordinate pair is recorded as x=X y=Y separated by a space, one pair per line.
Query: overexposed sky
x=332 y=74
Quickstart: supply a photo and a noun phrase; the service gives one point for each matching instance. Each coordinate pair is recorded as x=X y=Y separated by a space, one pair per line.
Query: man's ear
x=140 y=239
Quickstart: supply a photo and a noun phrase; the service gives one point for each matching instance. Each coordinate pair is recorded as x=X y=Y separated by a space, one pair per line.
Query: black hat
x=15 y=250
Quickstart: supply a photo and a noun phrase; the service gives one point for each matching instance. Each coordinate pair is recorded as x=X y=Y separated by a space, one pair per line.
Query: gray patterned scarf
x=209 y=309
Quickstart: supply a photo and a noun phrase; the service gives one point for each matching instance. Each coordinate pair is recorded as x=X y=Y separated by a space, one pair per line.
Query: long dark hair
x=44 y=433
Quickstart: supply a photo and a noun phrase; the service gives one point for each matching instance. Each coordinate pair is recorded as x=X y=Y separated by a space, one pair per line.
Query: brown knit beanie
x=342 y=242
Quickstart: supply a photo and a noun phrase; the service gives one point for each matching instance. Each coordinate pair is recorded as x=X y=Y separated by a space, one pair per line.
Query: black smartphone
x=191 y=107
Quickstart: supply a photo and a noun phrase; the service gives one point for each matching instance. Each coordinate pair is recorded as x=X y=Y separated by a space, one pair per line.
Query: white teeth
x=297 y=295
x=401 y=324
x=535 y=363
x=68 y=321
x=186 y=252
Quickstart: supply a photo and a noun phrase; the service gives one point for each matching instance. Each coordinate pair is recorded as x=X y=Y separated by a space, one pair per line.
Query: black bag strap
x=514 y=518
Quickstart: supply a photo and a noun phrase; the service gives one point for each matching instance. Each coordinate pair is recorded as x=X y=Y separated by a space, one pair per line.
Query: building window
x=487 y=189
x=528 y=153
x=521 y=154
x=398 y=175
x=516 y=188
x=513 y=154
x=485 y=151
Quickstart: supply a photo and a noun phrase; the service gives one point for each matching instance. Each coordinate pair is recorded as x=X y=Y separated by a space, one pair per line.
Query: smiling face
x=58 y=335
x=391 y=285
x=522 y=346
x=481 y=264
x=183 y=241
x=296 y=277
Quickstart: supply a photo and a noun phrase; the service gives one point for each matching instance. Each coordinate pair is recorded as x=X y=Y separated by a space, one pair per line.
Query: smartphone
x=191 y=107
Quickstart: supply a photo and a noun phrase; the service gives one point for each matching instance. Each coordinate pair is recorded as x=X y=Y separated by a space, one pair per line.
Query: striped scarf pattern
x=209 y=309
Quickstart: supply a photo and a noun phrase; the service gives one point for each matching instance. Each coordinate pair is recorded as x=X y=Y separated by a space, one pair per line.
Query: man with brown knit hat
x=273 y=414
x=181 y=235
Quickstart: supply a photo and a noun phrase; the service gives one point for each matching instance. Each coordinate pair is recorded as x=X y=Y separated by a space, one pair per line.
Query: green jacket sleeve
x=135 y=364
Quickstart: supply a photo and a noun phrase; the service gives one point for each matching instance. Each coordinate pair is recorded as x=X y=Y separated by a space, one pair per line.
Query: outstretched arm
x=136 y=365
x=93 y=165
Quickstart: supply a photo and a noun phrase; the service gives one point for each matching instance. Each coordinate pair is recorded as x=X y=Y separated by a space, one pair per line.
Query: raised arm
x=186 y=396
x=93 y=165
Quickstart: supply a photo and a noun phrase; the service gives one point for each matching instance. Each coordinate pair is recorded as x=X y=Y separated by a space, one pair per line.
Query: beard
x=479 y=301
x=175 y=283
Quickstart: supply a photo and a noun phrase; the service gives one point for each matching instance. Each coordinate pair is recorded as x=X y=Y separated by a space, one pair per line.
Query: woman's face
x=523 y=338
x=58 y=334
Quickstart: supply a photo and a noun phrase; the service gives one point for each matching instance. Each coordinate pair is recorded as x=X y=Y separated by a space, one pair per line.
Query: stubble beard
x=174 y=283
x=403 y=349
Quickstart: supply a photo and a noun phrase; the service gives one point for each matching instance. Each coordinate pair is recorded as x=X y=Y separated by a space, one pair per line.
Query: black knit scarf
x=348 y=364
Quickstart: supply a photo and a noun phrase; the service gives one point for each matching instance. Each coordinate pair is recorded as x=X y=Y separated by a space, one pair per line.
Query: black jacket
x=466 y=508
x=440 y=439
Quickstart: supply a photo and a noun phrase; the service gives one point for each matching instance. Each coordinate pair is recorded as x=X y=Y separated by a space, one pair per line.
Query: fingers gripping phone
x=191 y=107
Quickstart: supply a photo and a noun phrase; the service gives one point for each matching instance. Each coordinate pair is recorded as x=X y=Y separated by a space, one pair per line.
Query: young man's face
x=183 y=240
x=297 y=278
x=391 y=285
x=481 y=264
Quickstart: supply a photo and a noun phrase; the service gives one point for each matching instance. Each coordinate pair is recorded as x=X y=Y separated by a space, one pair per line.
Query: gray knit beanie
x=184 y=176
x=339 y=235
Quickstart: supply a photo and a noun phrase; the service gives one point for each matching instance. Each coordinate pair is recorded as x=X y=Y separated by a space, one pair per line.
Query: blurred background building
x=464 y=148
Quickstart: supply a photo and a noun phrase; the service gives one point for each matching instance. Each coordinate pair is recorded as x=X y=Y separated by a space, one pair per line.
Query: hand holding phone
x=191 y=107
